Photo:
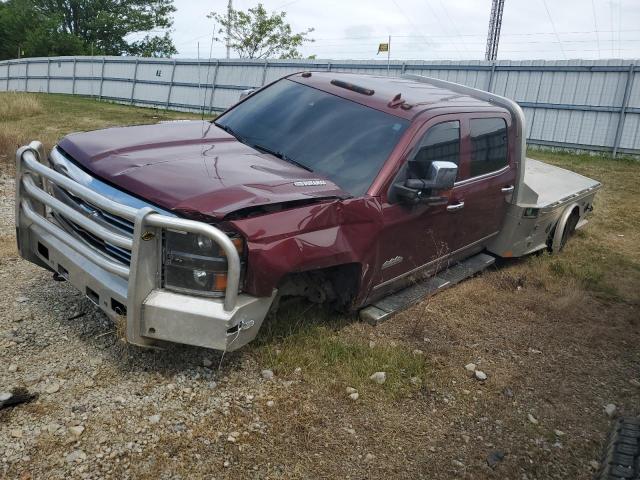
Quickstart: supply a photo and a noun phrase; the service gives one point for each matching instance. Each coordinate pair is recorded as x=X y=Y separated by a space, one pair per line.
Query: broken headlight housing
x=196 y=264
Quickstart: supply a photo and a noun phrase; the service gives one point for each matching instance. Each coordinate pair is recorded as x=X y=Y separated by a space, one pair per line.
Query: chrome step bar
x=389 y=306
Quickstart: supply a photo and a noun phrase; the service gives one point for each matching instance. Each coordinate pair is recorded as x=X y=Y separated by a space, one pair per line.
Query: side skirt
x=388 y=306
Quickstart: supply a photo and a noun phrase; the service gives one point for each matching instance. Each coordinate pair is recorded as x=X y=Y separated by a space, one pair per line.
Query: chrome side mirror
x=441 y=176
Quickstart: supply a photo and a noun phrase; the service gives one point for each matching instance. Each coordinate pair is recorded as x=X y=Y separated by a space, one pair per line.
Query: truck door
x=414 y=238
x=487 y=173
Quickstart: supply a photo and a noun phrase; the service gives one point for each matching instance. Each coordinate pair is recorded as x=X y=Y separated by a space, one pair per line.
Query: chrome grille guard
x=34 y=205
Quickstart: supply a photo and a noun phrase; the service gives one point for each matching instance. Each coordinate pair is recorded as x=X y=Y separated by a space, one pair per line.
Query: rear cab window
x=489 y=150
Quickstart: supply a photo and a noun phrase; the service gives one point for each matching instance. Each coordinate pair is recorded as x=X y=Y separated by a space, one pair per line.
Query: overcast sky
x=435 y=29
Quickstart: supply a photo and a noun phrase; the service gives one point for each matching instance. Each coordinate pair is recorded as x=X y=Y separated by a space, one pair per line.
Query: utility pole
x=229 y=13
x=493 y=36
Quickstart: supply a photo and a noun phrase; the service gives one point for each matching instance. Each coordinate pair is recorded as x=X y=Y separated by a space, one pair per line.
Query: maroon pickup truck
x=366 y=192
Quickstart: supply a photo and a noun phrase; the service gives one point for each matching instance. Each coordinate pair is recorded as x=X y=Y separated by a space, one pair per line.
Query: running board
x=396 y=302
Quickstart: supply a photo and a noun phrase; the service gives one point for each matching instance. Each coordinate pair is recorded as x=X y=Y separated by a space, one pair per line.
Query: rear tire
x=569 y=228
x=559 y=238
x=621 y=455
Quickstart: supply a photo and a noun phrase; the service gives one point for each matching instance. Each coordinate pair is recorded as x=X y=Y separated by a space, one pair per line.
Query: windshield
x=334 y=137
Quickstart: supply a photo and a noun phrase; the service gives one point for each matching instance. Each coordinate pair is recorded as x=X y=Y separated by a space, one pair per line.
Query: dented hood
x=193 y=168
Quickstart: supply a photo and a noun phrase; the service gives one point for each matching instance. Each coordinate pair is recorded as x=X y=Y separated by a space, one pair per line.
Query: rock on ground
x=379 y=377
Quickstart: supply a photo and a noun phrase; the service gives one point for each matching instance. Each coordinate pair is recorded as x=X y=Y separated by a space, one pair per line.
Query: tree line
x=41 y=28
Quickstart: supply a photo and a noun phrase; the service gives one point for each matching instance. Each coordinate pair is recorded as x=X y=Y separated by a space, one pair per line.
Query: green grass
x=315 y=340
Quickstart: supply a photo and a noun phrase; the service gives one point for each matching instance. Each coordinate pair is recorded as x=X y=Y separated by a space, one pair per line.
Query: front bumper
x=131 y=291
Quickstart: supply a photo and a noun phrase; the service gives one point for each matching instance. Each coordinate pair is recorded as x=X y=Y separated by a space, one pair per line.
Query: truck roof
x=381 y=93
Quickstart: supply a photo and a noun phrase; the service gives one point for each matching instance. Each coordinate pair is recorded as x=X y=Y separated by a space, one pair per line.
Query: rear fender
x=556 y=241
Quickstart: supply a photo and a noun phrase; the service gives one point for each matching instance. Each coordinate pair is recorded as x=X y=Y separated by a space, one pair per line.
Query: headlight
x=196 y=264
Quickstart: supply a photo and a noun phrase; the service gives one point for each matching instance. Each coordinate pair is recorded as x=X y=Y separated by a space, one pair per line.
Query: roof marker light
x=397 y=100
x=352 y=87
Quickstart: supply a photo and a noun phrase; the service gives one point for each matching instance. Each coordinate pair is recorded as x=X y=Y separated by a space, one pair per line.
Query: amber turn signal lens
x=239 y=244
x=220 y=282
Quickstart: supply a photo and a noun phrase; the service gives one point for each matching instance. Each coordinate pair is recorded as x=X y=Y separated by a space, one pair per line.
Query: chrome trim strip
x=34 y=192
x=78 y=246
x=428 y=264
x=31 y=163
x=484 y=176
x=59 y=160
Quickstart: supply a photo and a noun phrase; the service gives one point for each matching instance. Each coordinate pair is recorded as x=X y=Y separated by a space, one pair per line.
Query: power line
x=595 y=24
x=440 y=23
x=611 y=21
x=482 y=35
x=411 y=23
x=553 y=26
x=619 y=24
x=453 y=24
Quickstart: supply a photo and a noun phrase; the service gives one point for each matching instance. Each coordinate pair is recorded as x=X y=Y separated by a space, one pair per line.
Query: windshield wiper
x=281 y=156
x=230 y=131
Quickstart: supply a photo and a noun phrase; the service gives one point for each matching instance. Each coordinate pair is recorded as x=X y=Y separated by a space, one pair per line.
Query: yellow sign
x=383 y=47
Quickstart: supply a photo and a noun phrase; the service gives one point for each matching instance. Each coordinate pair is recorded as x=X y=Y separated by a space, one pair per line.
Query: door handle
x=455 y=207
x=507 y=189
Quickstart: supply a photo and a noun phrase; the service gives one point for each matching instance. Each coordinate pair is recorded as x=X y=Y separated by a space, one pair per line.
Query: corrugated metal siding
x=575 y=103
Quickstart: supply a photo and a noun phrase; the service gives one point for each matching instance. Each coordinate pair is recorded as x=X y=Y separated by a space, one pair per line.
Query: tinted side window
x=441 y=142
x=488 y=145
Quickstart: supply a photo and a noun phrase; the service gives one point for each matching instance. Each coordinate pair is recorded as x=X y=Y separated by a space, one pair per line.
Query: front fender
x=311 y=237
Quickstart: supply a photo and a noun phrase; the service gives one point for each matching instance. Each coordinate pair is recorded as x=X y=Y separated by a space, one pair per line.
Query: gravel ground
x=102 y=406
x=106 y=410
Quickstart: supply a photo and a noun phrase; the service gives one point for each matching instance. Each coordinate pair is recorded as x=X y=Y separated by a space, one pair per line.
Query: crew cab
x=367 y=192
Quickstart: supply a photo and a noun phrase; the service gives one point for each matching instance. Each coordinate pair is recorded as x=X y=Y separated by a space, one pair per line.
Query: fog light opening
x=118 y=307
x=43 y=251
x=93 y=296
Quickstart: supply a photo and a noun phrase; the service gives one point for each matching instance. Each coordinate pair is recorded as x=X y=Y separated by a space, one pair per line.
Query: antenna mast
x=493 y=37
x=229 y=13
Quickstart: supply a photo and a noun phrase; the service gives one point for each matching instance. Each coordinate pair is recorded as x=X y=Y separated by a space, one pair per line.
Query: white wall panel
x=572 y=102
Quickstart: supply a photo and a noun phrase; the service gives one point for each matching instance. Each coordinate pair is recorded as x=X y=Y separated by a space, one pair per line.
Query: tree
x=82 y=27
x=256 y=34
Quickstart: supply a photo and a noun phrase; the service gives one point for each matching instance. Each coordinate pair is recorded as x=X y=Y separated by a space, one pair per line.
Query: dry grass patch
x=35 y=116
x=15 y=105
x=11 y=138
